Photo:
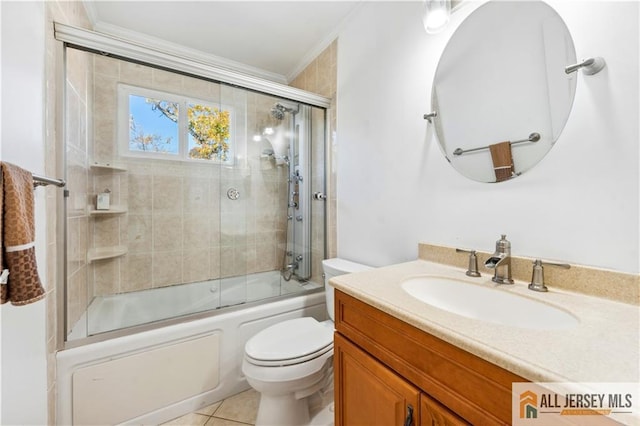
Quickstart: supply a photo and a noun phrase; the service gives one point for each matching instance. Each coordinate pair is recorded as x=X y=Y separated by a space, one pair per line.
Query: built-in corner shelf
x=110 y=252
x=114 y=210
x=103 y=253
x=108 y=167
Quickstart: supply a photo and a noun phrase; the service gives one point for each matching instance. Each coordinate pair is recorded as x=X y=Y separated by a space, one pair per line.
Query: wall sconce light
x=436 y=15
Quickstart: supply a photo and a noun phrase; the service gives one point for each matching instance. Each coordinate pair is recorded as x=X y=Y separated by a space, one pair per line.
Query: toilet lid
x=290 y=342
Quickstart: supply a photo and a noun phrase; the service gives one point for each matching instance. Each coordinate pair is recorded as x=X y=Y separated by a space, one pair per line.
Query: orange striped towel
x=17 y=235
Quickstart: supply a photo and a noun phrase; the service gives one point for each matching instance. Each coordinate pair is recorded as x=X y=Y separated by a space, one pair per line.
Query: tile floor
x=237 y=410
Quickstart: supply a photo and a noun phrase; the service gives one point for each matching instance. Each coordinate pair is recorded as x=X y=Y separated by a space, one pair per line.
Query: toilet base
x=324 y=417
x=282 y=410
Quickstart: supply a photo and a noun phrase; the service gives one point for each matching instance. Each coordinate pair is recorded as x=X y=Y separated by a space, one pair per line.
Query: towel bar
x=533 y=137
x=44 y=181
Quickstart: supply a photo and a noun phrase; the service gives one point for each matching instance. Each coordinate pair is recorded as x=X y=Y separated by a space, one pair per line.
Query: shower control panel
x=295 y=194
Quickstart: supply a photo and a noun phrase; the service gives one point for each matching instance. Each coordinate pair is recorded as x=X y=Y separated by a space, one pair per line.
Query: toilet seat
x=289 y=342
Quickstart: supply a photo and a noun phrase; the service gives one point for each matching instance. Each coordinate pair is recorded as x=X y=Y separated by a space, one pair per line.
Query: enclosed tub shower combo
x=194 y=217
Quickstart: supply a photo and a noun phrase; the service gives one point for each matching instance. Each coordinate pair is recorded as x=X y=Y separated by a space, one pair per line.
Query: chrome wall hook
x=589 y=66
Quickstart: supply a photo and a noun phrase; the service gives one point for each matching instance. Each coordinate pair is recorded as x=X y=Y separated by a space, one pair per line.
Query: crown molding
x=322 y=45
x=91 y=11
x=181 y=61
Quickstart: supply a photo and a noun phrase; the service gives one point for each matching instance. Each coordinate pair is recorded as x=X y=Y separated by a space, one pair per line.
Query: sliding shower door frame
x=81 y=39
x=136 y=52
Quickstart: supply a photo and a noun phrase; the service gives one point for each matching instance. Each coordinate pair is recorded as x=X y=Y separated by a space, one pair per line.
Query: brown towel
x=502 y=160
x=17 y=236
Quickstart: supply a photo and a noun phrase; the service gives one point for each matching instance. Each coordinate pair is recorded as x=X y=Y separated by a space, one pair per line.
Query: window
x=162 y=125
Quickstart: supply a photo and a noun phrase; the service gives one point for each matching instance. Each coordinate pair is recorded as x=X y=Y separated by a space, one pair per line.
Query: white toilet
x=293 y=360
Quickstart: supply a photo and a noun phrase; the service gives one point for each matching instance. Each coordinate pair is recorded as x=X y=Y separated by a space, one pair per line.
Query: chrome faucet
x=500 y=262
x=288 y=270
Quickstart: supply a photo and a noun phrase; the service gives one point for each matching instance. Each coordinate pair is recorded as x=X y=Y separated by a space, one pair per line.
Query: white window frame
x=124 y=90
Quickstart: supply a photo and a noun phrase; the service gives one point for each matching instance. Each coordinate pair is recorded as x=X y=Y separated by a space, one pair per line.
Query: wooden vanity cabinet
x=382 y=365
x=371 y=394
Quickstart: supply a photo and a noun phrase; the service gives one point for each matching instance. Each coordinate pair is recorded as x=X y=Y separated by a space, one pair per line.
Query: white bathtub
x=119 y=311
x=153 y=376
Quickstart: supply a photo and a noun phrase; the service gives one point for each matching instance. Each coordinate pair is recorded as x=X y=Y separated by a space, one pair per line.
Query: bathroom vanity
x=400 y=361
x=369 y=391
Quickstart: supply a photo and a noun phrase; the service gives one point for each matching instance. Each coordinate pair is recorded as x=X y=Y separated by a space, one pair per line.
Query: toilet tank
x=333 y=268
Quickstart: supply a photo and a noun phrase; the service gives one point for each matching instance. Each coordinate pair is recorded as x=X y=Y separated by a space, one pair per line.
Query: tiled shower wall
x=180 y=227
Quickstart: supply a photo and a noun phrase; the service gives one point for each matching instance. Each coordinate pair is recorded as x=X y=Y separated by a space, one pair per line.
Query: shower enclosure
x=211 y=195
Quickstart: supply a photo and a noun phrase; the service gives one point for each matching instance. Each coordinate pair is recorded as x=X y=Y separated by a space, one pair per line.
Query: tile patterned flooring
x=237 y=410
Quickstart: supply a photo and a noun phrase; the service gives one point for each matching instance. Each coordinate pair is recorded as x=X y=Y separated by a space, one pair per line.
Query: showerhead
x=278 y=110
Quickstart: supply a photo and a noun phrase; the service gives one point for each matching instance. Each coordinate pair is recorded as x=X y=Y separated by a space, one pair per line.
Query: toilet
x=291 y=361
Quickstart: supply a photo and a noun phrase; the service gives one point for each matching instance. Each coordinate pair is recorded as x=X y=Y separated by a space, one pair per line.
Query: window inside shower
x=210 y=195
x=157 y=124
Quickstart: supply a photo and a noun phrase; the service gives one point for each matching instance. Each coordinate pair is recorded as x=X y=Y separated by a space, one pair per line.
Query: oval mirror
x=501 y=79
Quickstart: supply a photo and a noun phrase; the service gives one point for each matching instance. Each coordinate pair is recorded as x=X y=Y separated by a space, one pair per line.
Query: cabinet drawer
x=475 y=389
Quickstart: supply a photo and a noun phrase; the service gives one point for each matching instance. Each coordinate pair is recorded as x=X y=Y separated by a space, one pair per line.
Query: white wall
x=23 y=329
x=395 y=189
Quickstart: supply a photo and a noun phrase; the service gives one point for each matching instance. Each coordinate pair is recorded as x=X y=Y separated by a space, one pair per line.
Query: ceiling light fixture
x=436 y=15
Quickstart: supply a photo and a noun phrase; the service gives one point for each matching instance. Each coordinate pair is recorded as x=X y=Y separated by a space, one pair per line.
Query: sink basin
x=487 y=303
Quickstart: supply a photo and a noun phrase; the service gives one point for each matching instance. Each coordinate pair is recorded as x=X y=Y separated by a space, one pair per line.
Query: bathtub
x=119 y=311
x=153 y=376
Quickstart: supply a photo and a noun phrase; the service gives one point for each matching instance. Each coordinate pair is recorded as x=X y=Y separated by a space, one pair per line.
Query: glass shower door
x=234 y=177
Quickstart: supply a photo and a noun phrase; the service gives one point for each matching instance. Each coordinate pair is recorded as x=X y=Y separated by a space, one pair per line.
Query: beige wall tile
x=106 y=65
x=196 y=231
x=138 y=272
x=167 y=232
x=106 y=231
x=139 y=233
x=196 y=265
x=106 y=277
x=136 y=74
x=167 y=268
x=167 y=194
x=140 y=193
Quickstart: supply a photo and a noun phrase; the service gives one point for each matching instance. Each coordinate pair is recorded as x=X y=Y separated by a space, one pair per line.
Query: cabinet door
x=432 y=413
x=368 y=393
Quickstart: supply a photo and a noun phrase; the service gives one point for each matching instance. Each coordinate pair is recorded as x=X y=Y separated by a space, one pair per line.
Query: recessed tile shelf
x=103 y=253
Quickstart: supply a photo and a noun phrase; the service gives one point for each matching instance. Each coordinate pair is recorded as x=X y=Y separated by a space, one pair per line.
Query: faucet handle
x=472 y=270
x=537 y=278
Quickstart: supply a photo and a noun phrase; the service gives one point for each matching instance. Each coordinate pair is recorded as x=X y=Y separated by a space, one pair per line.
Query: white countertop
x=603 y=347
